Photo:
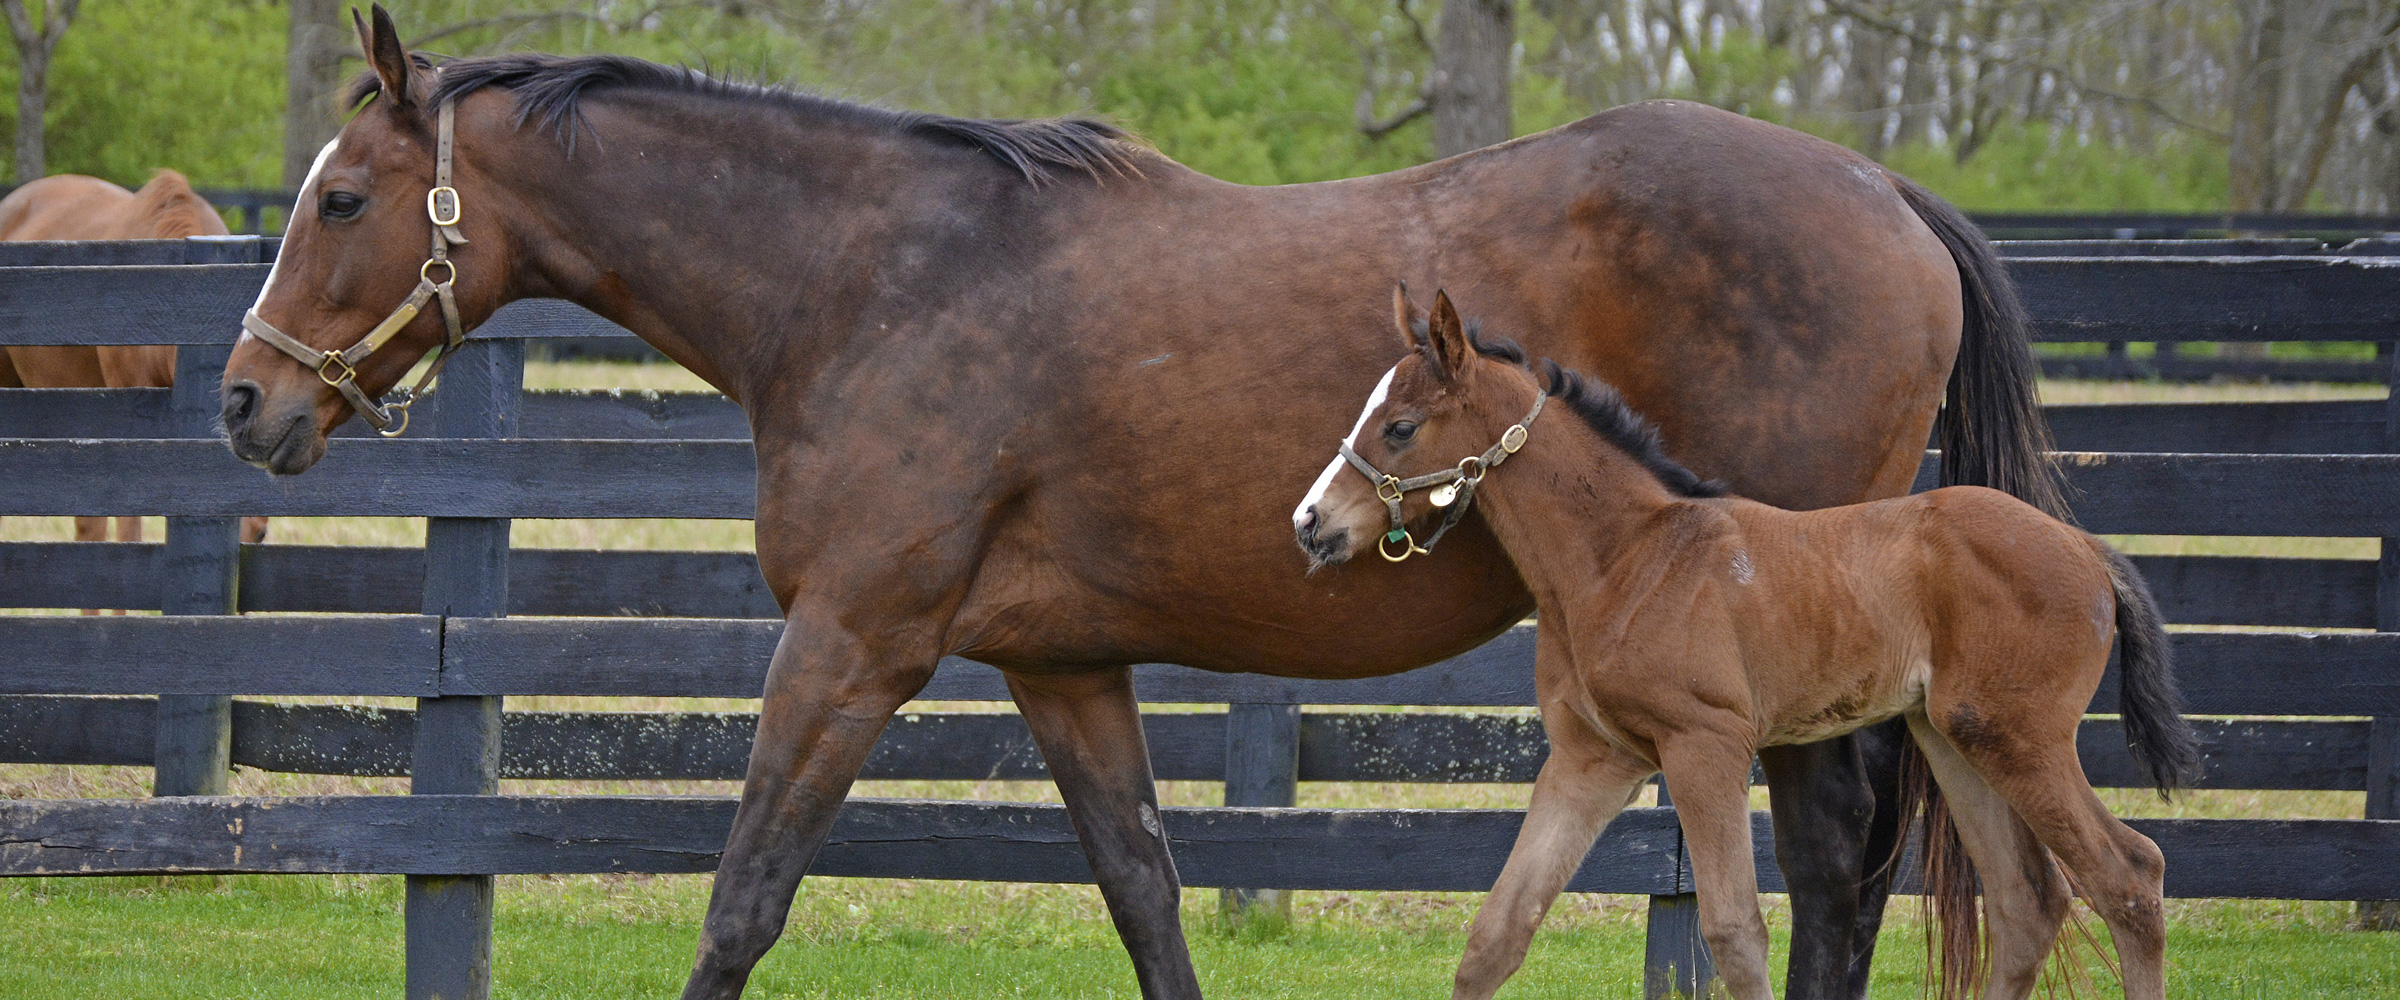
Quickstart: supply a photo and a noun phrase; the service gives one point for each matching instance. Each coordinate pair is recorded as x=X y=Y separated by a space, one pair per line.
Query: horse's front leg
x=1090 y=730
x=829 y=694
x=1837 y=823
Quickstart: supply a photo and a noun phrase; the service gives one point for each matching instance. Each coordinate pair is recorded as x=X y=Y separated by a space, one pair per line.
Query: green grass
x=587 y=936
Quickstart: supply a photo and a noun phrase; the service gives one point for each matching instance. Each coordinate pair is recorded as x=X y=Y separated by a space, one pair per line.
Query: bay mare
x=995 y=371
x=1684 y=629
x=76 y=207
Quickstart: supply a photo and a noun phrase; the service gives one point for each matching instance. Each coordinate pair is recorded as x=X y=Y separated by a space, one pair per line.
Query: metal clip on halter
x=339 y=369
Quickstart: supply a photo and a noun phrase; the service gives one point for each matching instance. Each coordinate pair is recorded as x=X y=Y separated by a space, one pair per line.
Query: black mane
x=1602 y=407
x=550 y=90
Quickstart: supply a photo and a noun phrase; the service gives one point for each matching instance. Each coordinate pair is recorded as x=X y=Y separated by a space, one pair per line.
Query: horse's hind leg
x=1709 y=773
x=1837 y=823
x=1090 y=730
x=1583 y=785
x=2120 y=872
x=2024 y=899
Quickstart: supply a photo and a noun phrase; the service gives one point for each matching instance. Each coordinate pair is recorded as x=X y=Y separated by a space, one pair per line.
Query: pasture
x=629 y=935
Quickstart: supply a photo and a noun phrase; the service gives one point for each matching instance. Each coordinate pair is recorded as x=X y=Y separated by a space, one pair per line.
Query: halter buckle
x=443 y=200
x=1513 y=438
x=334 y=359
x=1392 y=484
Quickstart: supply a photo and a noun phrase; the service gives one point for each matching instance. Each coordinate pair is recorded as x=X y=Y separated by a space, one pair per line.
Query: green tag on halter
x=1396 y=535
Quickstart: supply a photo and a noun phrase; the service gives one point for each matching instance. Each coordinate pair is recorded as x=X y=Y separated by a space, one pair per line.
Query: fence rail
x=431 y=624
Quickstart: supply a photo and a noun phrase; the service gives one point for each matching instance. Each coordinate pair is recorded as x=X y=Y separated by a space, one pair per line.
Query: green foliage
x=196 y=85
x=2031 y=168
x=1253 y=91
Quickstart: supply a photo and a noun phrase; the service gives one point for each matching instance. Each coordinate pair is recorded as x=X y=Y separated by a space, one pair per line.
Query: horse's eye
x=339 y=205
x=1400 y=430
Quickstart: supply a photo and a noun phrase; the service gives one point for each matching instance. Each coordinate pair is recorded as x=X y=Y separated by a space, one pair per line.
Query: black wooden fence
x=466 y=622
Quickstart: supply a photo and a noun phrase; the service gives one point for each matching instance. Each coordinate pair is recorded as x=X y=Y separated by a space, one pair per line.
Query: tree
x=1467 y=92
x=317 y=40
x=35 y=43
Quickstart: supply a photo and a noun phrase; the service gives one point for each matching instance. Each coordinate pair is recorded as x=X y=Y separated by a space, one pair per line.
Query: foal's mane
x=1604 y=409
x=550 y=91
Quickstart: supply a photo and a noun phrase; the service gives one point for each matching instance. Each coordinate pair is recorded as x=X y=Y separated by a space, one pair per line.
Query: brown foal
x=1683 y=630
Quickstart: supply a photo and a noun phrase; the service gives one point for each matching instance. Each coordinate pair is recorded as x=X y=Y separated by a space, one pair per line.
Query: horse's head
x=364 y=287
x=1443 y=416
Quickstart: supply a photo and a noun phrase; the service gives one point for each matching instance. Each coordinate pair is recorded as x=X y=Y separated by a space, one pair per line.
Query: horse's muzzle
x=284 y=447
x=1324 y=548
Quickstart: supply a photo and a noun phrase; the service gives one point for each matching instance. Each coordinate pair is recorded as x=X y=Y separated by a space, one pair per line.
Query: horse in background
x=75 y=207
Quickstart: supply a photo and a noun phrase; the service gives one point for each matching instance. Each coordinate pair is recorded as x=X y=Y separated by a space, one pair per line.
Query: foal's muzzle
x=1324 y=548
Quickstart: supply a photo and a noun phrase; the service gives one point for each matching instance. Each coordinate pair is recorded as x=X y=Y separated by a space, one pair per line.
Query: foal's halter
x=339 y=369
x=1454 y=487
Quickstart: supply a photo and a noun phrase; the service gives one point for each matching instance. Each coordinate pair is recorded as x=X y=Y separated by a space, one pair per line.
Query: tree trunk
x=33 y=101
x=1470 y=75
x=2257 y=94
x=36 y=40
x=312 y=74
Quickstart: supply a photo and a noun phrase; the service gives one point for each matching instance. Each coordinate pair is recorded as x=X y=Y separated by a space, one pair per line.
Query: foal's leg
x=829 y=694
x=1583 y=785
x=1710 y=774
x=2024 y=899
x=1090 y=731
x=2120 y=872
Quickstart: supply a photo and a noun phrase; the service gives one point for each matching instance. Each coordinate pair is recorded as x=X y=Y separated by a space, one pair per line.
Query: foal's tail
x=2155 y=730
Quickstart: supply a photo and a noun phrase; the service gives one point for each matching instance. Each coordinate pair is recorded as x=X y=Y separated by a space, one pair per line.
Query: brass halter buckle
x=334 y=359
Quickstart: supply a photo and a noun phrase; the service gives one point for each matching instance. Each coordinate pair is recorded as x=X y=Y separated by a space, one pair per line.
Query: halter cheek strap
x=339 y=369
x=1454 y=487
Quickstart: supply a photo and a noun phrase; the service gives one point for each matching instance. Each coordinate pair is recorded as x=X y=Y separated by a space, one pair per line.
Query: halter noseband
x=339 y=369
x=1454 y=487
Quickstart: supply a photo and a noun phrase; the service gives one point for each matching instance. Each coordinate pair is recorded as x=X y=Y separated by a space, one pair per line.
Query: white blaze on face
x=1334 y=468
x=307 y=184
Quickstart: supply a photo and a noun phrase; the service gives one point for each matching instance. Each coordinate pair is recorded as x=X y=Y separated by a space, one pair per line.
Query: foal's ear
x=381 y=43
x=1408 y=318
x=1449 y=349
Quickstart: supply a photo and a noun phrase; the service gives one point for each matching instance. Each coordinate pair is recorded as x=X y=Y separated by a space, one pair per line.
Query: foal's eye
x=338 y=205
x=1400 y=430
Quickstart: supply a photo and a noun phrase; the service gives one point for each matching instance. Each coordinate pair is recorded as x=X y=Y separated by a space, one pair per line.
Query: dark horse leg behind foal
x=1837 y=821
x=828 y=696
x=1090 y=730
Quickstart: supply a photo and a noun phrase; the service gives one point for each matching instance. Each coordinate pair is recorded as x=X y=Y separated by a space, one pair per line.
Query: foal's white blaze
x=1334 y=468
x=307 y=184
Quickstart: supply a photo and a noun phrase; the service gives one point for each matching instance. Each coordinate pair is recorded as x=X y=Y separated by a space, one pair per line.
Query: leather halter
x=339 y=369
x=1466 y=474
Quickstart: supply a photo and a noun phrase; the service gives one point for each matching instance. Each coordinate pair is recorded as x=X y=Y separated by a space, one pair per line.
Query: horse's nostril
x=1308 y=518
x=241 y=400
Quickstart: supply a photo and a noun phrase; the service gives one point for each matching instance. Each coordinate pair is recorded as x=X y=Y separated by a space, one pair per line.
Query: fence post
x=192 y=746
x=1262 y=768
x=2383 y=734
x=457 y=750
x=1675 y=961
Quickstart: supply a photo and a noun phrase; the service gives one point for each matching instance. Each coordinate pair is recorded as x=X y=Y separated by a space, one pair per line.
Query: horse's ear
x=381 y=43
x=1449 y=349
x=1408 y=318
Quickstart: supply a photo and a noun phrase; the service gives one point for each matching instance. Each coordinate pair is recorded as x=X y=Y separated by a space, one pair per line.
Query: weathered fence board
x=2072 y=298
x=399 y=655
x=1436 y=850
x=2170 y=494
x=975 y=746
x=1457 y=850
x=2196 y=590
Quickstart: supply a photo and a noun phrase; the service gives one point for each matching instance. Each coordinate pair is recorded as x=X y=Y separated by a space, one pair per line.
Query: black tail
x=1991 y=433
x=2155 y=730
x=1991 y=430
